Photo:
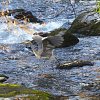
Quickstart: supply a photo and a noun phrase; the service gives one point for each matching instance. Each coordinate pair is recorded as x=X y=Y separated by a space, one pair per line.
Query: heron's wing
x=37 y=46
x=47 y=49
x=49 y=43
x=56 y=40
x=42 y=46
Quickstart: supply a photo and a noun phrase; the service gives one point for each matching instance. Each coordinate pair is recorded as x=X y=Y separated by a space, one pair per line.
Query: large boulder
x=87 y=23
x=21 y=14
x=69 y=39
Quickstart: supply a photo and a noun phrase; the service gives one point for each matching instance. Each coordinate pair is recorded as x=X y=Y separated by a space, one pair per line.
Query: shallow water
x=22 y=67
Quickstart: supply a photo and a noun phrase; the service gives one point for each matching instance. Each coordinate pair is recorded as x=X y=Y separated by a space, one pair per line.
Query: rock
x=3 y=78
x=95 y=85
x=20 y=92
x=49 y=76
x=70 y=65
x=61 y=97
x=88 y=91
x=84 y=96
x=87 y=23
x=69 y=39
x=22 y=14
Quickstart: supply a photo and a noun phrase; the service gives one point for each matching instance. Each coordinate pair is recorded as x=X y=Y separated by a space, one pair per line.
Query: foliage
x=98 y=7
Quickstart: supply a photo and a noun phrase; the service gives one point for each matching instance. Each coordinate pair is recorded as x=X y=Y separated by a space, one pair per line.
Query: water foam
x=15 y=34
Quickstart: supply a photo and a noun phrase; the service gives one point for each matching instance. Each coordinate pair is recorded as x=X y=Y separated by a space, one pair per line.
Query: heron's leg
x=44 y=65
x=55 y=59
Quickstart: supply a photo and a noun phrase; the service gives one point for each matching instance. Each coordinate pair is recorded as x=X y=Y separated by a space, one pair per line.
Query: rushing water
x=10 y=33
x=22 y=67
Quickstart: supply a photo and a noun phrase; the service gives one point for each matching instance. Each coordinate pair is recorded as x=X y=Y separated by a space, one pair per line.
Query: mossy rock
x=12 y=90
x=86 y=24
x=69 y=39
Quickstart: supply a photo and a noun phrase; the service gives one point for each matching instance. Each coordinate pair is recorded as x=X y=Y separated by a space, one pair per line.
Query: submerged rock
x=16 y=92
x=69 y=39
x=3 y=78
x=70 y=65
x=88 y=91
x=21 y=14
x=87 y=23
x=62 y=98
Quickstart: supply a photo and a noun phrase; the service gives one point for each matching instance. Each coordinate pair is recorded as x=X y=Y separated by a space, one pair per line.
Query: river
x=22 y=67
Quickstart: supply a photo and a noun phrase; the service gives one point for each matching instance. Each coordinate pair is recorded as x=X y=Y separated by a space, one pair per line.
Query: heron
x=43 y=44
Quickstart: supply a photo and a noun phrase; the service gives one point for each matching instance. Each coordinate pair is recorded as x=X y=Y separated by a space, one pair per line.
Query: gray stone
x=87 y=23
x=3 y=78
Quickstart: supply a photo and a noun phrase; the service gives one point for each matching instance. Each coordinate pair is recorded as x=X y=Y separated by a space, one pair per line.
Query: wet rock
x=22 y=14
x=69 y=39
x=95 y=86
x=70 y=65
x=87 y=23
x=49 y=76
x=17 y=92
x=62 y=98
x=3 y=78
x=10 y=58
x=91 y=91
x=93 y=97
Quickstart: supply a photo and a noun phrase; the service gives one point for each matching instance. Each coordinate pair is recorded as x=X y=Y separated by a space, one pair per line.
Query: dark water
x=22 y=67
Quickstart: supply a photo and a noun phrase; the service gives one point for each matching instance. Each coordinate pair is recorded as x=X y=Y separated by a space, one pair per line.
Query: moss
x=11 y=90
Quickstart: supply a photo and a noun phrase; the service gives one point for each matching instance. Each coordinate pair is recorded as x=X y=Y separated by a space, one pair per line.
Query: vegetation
x=98 y=7
x=11 y=90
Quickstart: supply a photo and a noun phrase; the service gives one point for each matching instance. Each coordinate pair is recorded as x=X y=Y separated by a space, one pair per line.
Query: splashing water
x=10 y=33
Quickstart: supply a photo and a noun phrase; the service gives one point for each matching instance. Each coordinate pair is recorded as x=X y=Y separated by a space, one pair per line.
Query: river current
x=22 y=67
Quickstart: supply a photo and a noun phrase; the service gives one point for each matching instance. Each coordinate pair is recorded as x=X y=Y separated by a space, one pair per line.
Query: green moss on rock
x=11 y=90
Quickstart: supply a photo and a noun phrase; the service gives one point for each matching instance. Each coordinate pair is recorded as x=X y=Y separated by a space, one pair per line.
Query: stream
x=22 y=67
